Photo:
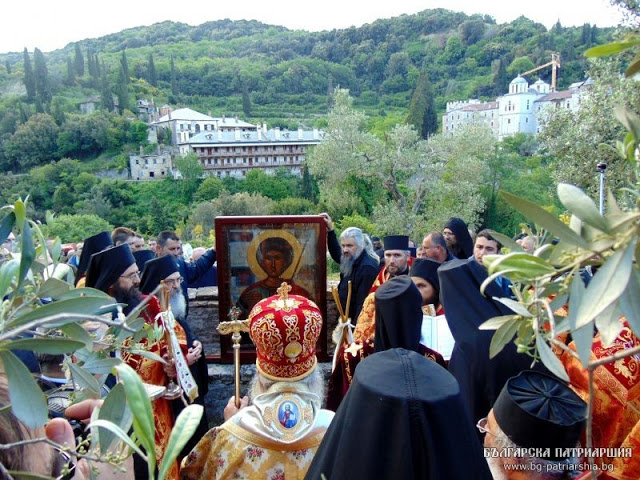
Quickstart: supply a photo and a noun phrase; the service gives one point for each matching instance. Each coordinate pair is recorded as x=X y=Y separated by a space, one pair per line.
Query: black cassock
x=402 y=418
x=481 y=379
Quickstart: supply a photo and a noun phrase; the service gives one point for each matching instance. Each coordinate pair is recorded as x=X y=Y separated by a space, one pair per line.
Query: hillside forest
x=387 y=81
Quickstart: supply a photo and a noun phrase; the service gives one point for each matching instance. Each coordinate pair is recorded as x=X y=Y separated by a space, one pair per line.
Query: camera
x=601 y=167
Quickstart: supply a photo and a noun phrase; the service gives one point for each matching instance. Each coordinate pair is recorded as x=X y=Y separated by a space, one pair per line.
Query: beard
x=496 y=468
x=130 y=296
x=346 y=265
x=347 y=261
x=178 y=304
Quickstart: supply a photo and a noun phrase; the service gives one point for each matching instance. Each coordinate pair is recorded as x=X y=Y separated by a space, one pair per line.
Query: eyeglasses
x=132 y=276
x=174 y=281
x=482 y=426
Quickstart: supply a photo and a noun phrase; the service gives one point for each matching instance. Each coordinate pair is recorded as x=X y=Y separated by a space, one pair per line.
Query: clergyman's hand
x=327 y=220
x=230 y=410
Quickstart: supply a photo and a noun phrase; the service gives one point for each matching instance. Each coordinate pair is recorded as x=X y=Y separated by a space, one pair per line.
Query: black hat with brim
x=142 y=257
x=90 y=245
x=536 y=410
x=106 y=266
x=396 y=242
x=155 y=271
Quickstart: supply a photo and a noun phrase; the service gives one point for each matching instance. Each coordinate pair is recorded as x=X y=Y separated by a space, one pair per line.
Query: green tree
x=246 y=101
x=209 y=189
x=43 y=88
x=190 y=170
x=520 y=65
x=125 y=66
x=74 y=228
x=123 y=90
x=106 y=96
x=70 y=79
x=422 y=113
x=294 y=206
x=174 y=79
x=153 y=75
x=78 y=61
x=29 y=78
x=34 y=143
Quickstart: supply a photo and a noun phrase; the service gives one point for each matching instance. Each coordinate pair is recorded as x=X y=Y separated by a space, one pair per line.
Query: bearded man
x=165 y=269
x=358 y=264
x=114 y=271
x=278 y=434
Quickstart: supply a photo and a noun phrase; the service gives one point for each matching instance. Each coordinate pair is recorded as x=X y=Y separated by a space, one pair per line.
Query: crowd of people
x=393 y=405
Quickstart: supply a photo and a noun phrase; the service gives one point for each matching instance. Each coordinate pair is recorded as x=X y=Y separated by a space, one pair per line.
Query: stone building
x=155 y=166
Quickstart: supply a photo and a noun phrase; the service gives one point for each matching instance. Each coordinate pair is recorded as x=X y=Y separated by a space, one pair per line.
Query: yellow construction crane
x=555 y=63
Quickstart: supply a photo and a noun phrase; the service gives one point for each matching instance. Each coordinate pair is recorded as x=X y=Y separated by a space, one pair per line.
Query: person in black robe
x=142 y=257
x=94 y=244
x=403 y=417
x=481 y=379
x=154 y=272
x=459 y=242
x=398 y=315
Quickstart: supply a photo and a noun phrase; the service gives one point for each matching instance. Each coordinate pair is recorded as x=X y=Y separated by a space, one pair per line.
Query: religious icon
x=288 y=414
x=257 y=254
x=274 y=257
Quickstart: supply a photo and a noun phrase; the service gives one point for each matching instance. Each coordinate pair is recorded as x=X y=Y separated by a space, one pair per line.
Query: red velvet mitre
x=285 y=329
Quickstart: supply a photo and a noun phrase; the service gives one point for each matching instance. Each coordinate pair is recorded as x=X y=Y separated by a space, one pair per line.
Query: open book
x=436 y=335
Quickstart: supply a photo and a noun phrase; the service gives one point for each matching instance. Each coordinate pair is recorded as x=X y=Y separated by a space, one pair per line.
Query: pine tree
x=78 y=61
x=29 y=79
x=153 y=76
x=106 y=97
x=43 y=89
x=123 y=91
x=422 y=112
x=174 y=81
x=71 y=73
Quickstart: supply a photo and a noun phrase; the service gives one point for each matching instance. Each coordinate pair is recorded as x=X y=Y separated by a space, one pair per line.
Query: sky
x=50 y=25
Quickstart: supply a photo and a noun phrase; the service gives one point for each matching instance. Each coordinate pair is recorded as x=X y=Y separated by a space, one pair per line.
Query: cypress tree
x=246 y=101
x=153 y=76
x=330 y=89
x=78 y=61
x=71 y=73
x=422 y=112
x=7 y=66
x=174 y=81
x=125 y=65
x=22 y=114
x=43 y=89
x=123 y=91
x=106 y=97
x=29 y=79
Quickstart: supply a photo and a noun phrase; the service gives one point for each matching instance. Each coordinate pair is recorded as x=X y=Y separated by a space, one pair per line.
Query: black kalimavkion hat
x=396 y=242
x=155 y=271
x=90 y=245
x=537 y=410
x=142 y=257
x=106 y=266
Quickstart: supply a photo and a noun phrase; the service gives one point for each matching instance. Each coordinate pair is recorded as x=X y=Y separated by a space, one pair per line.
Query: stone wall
x=204 y=319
